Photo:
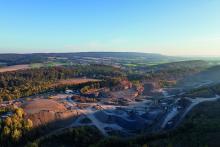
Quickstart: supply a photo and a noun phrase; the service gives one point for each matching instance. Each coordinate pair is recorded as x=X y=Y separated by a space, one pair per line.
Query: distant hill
x=118 y=55
x=183 y=64
x=13 y=59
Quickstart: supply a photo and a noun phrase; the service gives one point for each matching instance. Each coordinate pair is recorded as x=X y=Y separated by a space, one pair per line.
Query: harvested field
x=74 y=81
x=14 y=68
x=38 y=105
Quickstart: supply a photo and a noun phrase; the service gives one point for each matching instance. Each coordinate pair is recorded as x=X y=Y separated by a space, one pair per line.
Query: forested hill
x=14 y=59
x=183 y=64
x=209 y=75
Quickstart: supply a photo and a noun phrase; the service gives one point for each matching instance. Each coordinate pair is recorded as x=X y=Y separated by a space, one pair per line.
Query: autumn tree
x=14 y=127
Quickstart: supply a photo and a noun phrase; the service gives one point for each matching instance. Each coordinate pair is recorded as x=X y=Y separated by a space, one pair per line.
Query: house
x=68 y=91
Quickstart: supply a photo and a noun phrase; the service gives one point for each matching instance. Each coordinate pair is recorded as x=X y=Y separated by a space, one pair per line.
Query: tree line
x=33 y=81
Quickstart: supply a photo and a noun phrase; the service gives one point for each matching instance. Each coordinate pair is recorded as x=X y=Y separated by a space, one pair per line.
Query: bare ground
x=14 y=68
x=38 y=105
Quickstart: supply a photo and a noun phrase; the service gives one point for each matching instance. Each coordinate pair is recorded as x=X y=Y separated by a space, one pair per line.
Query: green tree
x=6 y=131
x=19 y=112
x=16 y=134
x=28 y=124
x=8 y=121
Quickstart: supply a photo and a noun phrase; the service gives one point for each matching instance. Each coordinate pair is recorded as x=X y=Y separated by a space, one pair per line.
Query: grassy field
x=14 y=68
x=36 y=65
x=47 y=64
x=27 y=66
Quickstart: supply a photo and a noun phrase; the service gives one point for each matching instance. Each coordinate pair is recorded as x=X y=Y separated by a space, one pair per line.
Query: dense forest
x=33 y=81
x=205 y=91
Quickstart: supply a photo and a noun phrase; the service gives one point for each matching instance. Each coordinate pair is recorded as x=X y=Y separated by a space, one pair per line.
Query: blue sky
x=172 y=27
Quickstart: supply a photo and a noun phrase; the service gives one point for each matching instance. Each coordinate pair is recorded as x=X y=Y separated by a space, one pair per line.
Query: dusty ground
x=14 y=68
x=38 y=105
x=47 y=111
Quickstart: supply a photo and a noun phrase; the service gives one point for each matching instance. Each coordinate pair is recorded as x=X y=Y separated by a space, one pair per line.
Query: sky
x=170 y=27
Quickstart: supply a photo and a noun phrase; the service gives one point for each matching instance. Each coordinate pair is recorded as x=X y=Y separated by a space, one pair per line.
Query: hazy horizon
x=186 y=56
x=174 y=28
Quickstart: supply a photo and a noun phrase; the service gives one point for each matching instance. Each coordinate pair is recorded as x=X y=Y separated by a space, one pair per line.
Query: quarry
x=125 y=111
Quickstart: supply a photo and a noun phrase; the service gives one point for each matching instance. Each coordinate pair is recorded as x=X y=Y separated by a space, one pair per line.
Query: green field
x=47 y=64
